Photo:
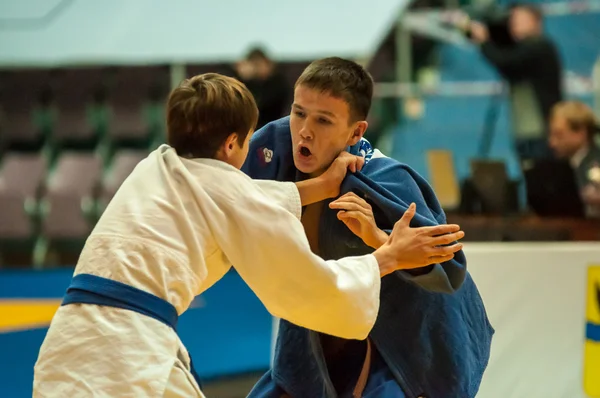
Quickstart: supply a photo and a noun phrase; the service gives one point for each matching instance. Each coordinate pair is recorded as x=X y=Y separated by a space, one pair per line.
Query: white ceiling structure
x=72 y=32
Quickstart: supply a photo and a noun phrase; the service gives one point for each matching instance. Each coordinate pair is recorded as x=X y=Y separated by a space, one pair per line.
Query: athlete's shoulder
x=270 y=150
x=402 y=180
x=272 y=133
x=379 y=166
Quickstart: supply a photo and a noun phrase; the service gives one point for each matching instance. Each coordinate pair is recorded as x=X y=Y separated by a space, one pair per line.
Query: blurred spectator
x=532 y=67
x=268 y=85
x=572 y=136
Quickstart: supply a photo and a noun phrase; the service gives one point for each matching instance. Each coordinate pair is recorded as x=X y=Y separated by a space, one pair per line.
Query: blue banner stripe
x=32 y=284
x=592 y=332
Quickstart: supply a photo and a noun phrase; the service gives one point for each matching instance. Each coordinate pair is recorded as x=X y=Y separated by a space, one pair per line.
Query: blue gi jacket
x=432 y=329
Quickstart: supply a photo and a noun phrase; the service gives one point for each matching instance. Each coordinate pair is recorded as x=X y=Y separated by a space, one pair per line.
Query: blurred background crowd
x=496 y=103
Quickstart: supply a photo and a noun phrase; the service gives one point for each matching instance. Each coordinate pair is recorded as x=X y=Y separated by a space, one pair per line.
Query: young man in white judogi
x=174 y=228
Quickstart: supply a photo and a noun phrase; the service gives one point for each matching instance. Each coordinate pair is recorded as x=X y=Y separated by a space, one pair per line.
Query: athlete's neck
x=315 y=174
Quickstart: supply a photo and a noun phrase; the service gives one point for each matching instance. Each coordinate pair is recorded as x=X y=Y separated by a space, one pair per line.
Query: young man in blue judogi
x=432 y=337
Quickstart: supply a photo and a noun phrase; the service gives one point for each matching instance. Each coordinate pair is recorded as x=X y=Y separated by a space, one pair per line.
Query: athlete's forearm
x=379 y=239
x=314 y=190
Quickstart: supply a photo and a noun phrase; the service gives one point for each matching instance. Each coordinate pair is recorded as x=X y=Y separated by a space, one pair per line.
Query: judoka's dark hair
x=578 y=116
x=342 y=79
x=204 y=110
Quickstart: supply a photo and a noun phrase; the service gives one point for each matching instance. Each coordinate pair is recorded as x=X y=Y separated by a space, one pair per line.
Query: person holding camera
x=532 y=67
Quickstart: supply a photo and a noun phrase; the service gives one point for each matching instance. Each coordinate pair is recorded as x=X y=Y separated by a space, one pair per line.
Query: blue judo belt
x=92 y=289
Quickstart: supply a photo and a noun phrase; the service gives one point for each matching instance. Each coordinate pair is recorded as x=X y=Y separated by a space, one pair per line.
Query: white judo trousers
x=174 y=229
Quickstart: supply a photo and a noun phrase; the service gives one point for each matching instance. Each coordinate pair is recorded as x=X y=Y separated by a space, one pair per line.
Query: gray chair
x=76 y=91
x=135 y=90
x=22 y=94
x=129 y=126
x=122 y=165
x=21 y=177
x=18 y=131
x=69 y=198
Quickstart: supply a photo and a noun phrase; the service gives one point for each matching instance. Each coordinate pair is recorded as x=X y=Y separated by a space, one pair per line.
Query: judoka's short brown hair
x=204 y=110
x=343 y=79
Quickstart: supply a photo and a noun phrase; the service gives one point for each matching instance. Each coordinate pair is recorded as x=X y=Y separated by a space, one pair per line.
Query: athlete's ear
x=358 y=132
x=226 y=151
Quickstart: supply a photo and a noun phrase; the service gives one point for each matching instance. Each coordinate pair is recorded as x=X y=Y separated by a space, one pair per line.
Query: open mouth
x=304 y=151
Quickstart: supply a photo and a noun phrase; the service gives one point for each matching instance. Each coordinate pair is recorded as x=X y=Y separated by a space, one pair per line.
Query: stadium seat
x=77 y=92
x=134 y=96
x=69 y=204
x=128 y=125
x=21 y=178
x=24 y=120
x=19 y=132
x=122 y=165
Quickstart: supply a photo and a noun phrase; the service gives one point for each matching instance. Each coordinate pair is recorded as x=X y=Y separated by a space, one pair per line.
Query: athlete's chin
x=304 y=165
x=306 y=169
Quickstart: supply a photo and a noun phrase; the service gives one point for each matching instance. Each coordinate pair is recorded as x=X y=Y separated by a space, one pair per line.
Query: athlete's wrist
x=385 y=260
x=316 y=189
x=378 y=239
x=330 y=185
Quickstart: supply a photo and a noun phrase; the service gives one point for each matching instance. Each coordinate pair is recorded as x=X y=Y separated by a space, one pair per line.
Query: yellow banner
x=591 y=369
x=24 y=314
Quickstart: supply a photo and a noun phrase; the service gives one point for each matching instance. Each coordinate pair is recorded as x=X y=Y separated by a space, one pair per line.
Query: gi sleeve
x=284 y=194
x=267 y=246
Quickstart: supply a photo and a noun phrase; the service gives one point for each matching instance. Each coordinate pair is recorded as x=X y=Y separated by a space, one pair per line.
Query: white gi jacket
x=173 y=229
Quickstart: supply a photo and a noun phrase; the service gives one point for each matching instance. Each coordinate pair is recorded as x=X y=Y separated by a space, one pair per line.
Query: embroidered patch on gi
x=268 y=155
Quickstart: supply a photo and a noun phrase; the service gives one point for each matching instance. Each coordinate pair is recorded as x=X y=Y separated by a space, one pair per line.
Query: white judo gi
x=173 y=229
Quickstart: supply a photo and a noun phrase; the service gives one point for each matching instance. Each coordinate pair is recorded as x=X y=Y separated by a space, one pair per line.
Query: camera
x=495 y=17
